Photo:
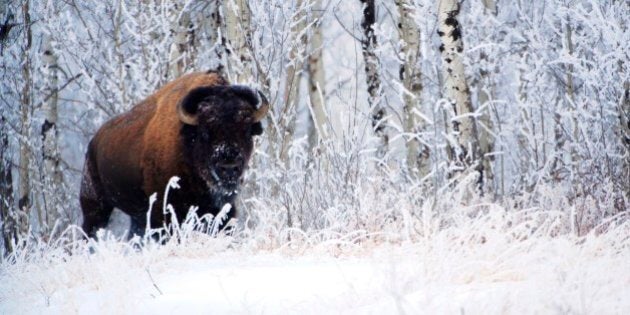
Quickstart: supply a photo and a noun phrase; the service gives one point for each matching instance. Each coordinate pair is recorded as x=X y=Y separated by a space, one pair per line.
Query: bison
x=197 y=127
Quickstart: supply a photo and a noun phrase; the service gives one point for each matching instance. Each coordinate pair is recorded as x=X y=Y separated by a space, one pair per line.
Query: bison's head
x=219 y=123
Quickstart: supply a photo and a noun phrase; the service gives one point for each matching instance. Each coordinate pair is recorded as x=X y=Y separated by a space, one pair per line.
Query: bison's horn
x=186 y=117
x=261 y=112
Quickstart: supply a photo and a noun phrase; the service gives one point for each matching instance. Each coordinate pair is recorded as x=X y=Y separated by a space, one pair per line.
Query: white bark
x=490 y=6
x=455 y=85
x=411 y=76
x=294 y=76
x=624 y=135
x=122 y=73
x=6 y=189
x=238 y=24
x=373 y=80
x=486 y=139
x=24 y=185
x=52 y=174
x=8 y=225
x=560 y=169
x=570 y=103
x=212 y=30
x=181 y=29
x=484 y=94
x=317 y=80
x=528 y=153
x=7 y=214
x=216 y=32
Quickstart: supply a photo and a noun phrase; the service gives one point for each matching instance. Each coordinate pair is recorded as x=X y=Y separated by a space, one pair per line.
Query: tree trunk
x=563 y=140
x=570 y=103
x=368 y=49
x=317 y=80
x=486 y=139
x=182 y=29
x=212 y=30
x=294 y=76
x=484 y=93
x=238 y=24
x=24 y=188
x=490 y=6
x=7 y=215
x=8 y=226
x=624 y=133
x=216 y=31
x=417 y=153
x=53 y=180
x=467 y=153
x=118 y=41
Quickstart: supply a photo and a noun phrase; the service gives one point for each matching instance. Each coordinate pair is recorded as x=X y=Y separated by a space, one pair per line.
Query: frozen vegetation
x=481 y=262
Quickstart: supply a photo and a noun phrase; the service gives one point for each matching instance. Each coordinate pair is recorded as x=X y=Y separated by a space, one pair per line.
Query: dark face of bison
x=219 y=125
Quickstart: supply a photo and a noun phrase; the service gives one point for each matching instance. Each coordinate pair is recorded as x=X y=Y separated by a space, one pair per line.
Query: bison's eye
x=244 y=116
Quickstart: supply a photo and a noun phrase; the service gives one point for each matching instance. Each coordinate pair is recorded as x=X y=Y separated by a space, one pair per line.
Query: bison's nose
x=229 y=168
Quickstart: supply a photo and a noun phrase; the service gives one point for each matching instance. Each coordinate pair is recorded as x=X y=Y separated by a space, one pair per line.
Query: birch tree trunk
x=216 y=32
x=118 y=41
x=486 y=139
x=522 y=138
x=53 y=180
x=491 y=6
x=417 y=153
x=467 y=153
x=294 y=77
x=238 y=24
x=484 y=93
x=570 y=103
x=212 y=30
x=24 y=188
x=7 y=215
x=624 y=124
x=317 y=80
x=180 y=55
x=563 y=139
x=368 y=49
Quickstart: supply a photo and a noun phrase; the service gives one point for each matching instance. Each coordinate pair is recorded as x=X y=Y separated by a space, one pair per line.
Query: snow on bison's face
x=219 y=123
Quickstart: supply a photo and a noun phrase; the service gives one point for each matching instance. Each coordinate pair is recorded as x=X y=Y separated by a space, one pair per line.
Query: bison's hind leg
x=96 y=211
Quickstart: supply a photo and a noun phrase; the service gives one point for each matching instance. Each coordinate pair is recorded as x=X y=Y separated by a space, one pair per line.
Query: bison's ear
x=188 y=108
x=255 y=98
x=262 y=108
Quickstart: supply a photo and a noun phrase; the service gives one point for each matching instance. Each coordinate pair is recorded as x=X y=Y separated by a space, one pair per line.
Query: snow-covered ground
x=443 y=273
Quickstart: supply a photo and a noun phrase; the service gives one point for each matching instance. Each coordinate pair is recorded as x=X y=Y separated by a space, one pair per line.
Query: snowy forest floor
x=479 y=269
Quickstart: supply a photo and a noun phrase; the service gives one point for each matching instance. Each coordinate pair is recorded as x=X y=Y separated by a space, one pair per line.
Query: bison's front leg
x=95 y=215
x=138 y=225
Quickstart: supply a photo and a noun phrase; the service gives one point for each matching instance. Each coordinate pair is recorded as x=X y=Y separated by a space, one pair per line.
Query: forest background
x=380 y=109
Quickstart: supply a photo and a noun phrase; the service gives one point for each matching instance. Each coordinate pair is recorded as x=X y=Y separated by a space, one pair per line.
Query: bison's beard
x=222 y=186
x=221 y=191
